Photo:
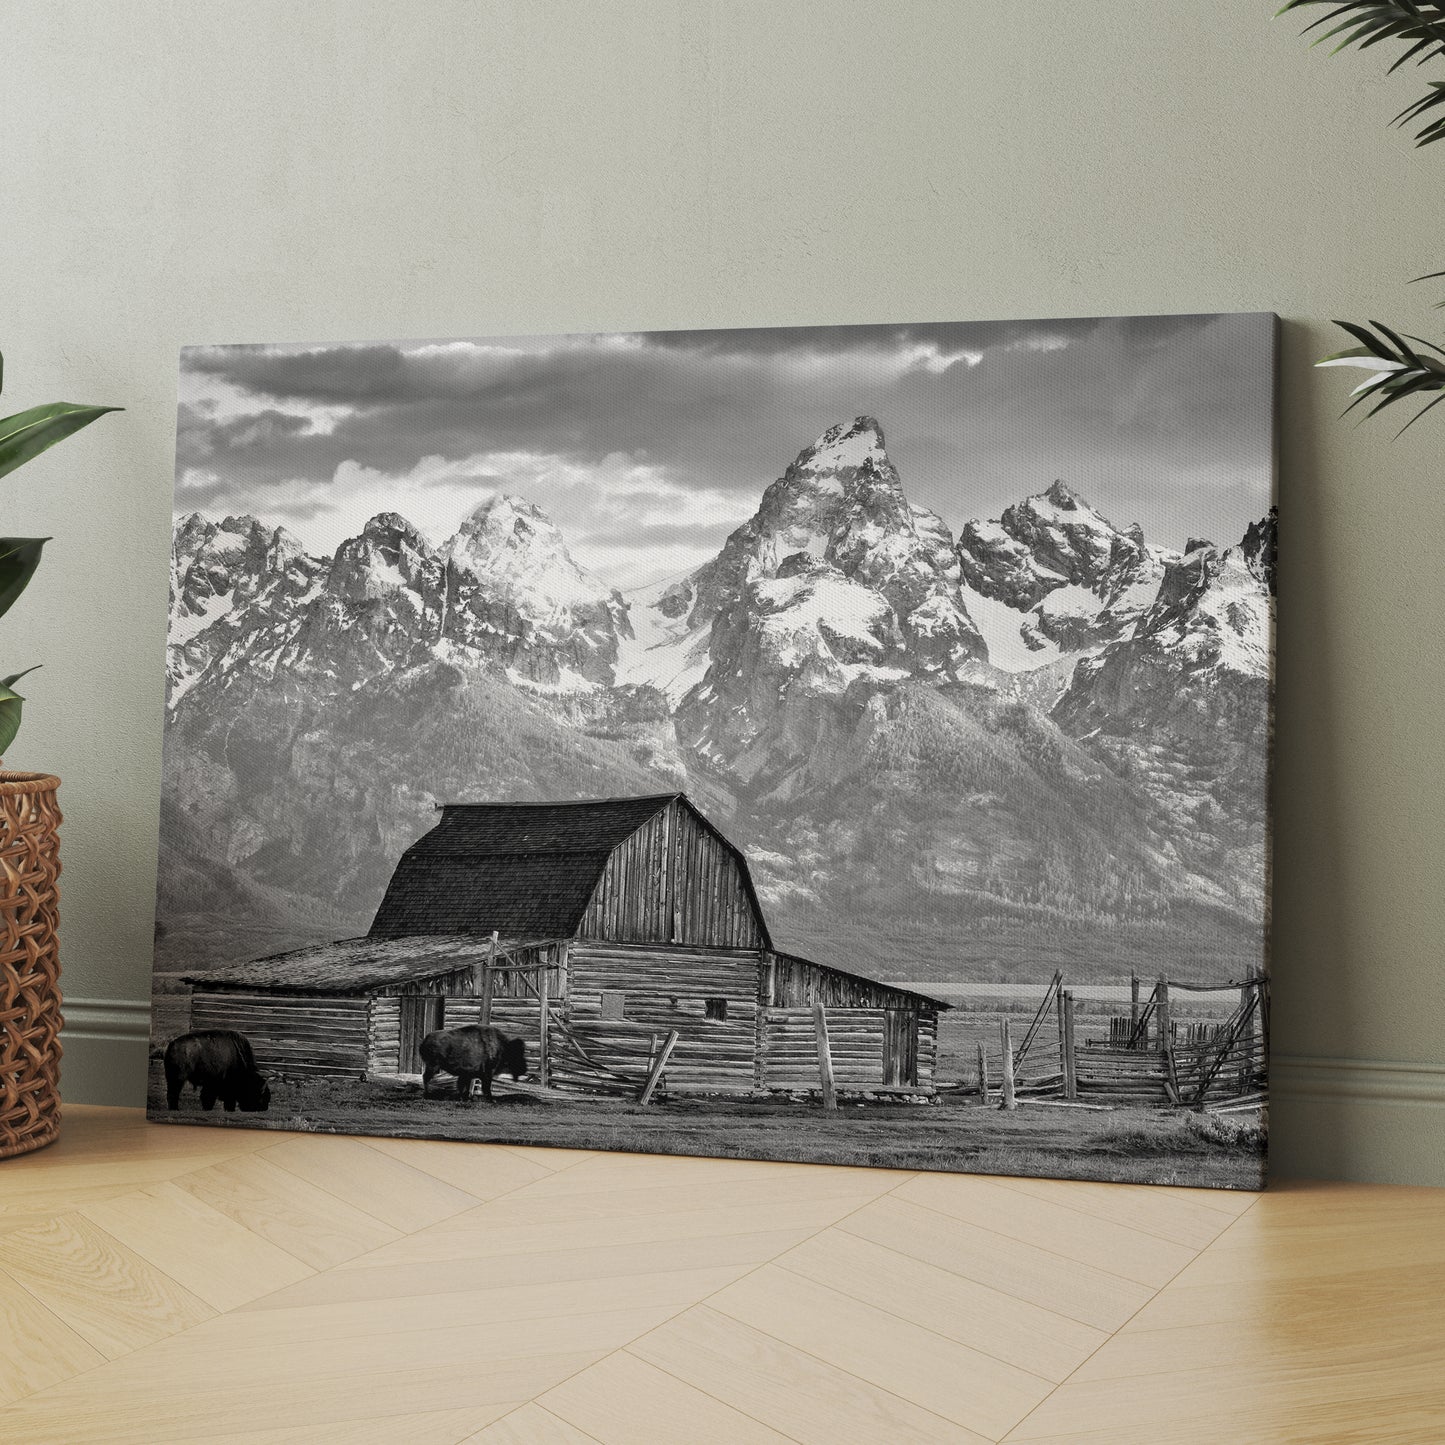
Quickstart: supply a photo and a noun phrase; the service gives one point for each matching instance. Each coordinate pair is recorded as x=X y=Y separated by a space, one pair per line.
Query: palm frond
x=1418 y=24
x=1398 y=370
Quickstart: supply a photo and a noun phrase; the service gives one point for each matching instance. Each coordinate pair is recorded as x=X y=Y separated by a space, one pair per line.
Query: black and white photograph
x=842 y=744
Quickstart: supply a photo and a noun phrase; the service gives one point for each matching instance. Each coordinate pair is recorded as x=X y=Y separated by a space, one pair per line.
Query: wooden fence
x=1149 y=1057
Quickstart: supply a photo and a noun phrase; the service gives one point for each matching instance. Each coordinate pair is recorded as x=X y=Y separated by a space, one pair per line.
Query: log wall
x=291 y=1034
x=790 y=1048
x=666 y=989
x=857 y=1039
x=927 y=1046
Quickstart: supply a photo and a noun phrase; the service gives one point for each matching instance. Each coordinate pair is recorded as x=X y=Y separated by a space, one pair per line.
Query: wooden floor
x=162 y=1283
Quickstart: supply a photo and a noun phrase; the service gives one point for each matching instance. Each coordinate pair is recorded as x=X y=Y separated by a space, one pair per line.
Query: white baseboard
x=1363 y=1119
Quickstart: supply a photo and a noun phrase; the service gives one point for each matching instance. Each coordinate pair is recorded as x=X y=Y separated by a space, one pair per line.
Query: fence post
x=1006 y=1042
x=1071 y=1078
x=1246 y=998
x=1062 y=1049
x=1161 y=1008
x=825 y=1056
x=543 y=1065
x=1133 y=1003
x=982 y=1075
x=488 y=975
x=659 y=1064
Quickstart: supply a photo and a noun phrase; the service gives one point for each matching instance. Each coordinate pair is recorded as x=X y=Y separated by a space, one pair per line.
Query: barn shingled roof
x=524 y=869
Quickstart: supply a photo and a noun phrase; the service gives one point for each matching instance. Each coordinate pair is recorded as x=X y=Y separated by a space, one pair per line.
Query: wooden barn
x=595 y=930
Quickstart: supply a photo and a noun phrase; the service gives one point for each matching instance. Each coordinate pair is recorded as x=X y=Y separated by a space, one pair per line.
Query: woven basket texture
x=29 y=962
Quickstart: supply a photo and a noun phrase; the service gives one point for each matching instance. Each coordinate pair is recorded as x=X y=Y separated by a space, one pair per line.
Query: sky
x=648 y=448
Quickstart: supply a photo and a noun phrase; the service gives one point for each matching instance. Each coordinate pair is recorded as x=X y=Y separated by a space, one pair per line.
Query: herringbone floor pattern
x=176 y=1284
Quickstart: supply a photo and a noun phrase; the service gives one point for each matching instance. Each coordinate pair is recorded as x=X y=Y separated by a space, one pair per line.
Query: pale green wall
x=271 y=170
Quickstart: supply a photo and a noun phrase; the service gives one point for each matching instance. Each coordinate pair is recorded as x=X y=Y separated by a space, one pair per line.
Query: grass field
x=1125 y=1145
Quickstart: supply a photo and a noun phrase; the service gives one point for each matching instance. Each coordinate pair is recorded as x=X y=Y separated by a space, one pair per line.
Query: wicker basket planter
x=29 y=962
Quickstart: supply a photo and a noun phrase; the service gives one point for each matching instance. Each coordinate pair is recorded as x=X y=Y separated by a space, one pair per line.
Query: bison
x=471 y=1053
x=219 y=1062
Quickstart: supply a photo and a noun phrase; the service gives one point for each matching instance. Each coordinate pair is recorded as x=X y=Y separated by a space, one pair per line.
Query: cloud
x=624 y=437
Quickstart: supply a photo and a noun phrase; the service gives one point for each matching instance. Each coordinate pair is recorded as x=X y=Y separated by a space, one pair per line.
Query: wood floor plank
x=454 y=1293
x=137 y=1416
x=622 y=1400
x=109 y=1295
x=1342 y=1345
x=790 y=1390
x=1090 y=1239
x=1248 y=1255
x=186 y=1366
x=472 y=1310
x=1372 y=1296
x=433 y=1427
x=96 y=1132
x=1262 y=1404
x=37 y=1347
x=1140 y=1206
x=370 y=1180
x=530 y=1425
x=549 y=1159
x=1412 y=1419
x=1076 y=1291
x=207 y=1252
x=997 y=1324
x=373 y=1281
x=845 y=1189
x=481 y=1235
x=482 y=1170
x=295 y=1215
x=63 y=1188
x=955 y=1381
x=605 y=1172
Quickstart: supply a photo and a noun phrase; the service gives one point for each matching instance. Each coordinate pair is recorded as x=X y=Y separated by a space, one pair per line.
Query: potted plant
x=29 y=845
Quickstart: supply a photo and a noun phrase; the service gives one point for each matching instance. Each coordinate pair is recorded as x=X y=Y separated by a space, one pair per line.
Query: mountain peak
x=243 y=526
x=1063 y=495
x=502 y=510
x=847 y=444
x=516 y=552
x=387 y=526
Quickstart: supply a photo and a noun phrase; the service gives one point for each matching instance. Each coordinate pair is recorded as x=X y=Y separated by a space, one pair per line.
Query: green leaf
x=19 y=557
x=10 y=704
x=1402 y=371
x=28 y=433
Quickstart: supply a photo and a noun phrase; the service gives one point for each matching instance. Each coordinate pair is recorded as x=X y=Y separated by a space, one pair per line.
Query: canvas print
x=842 y=744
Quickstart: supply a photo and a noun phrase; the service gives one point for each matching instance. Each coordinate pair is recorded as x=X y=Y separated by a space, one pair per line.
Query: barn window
x=716 y=1008
x=614 y=1004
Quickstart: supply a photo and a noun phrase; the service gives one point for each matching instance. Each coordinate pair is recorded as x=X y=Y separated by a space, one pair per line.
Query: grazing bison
x=219 y=1062
x=471 y=1053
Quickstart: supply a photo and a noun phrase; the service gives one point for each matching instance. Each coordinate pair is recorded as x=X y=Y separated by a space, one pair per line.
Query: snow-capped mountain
x=1052 y=576
x=503 y=593
x=1182 y=705
x=836 y=577
x=1208 y=633
x=225 y=571
x=516 y=556
x=834 y=685
x=837 y=583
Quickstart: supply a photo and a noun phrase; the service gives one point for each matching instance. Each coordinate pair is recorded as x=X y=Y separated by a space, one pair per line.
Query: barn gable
x=647 y=869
